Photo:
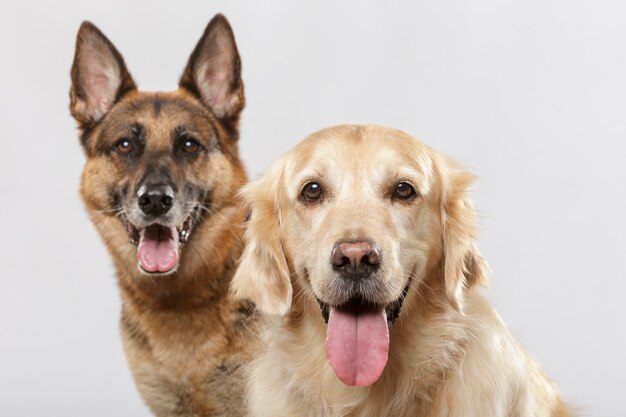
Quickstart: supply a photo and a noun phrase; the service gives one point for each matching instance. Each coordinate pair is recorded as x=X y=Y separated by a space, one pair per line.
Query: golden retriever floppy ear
x=263 y=274
x=463 y=266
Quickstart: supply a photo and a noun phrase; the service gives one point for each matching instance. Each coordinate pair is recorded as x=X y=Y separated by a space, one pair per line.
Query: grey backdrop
x=529 y=95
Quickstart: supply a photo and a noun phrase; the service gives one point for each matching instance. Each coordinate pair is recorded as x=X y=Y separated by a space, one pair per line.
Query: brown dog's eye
x=191 y=146
x=123 y=146
x=311 y=192
x=404 y=191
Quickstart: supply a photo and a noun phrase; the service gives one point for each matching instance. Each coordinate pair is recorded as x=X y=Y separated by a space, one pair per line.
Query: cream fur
x=449 y=355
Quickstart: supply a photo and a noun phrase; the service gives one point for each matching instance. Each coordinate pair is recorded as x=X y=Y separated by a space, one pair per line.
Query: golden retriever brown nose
x=355 y=260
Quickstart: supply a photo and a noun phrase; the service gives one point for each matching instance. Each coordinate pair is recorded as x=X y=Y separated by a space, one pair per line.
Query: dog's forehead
x=160 y=114
x=368 y=153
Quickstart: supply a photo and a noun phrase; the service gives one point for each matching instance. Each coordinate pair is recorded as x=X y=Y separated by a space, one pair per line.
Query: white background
x=529 y=95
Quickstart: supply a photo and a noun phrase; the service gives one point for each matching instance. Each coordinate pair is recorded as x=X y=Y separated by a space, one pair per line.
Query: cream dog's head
x=355 y=216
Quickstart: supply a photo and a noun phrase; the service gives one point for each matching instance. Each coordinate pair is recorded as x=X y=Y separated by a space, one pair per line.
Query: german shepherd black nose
x=156 y=199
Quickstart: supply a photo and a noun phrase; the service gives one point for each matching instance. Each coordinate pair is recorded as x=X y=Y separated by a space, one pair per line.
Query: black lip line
x=183 y=235
x=396 y=305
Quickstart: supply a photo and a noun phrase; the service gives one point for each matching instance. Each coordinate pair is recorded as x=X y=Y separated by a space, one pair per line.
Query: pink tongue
x=158 y=255
x=357 y=344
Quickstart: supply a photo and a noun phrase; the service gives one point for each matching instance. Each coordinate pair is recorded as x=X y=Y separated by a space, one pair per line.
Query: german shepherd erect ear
x=99 y=76
x=213 y=73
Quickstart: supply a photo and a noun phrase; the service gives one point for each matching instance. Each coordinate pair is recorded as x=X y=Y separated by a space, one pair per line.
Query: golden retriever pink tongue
x=357 y=343
x=158 y=249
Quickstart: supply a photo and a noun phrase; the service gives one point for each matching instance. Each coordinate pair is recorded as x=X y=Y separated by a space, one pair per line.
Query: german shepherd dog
x=160 y=182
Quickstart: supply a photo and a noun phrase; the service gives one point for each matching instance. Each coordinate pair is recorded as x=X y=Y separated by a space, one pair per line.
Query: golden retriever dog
x=360 y=252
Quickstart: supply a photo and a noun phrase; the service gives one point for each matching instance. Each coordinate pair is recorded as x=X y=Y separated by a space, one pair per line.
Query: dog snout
x=156 y=200
x=355 y=260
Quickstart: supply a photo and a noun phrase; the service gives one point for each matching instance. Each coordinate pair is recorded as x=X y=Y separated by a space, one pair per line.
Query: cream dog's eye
x=404 y=191
x=312 y=192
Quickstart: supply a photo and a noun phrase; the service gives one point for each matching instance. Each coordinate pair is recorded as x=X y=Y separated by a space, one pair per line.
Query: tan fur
x=450 y=354
x=187 y=341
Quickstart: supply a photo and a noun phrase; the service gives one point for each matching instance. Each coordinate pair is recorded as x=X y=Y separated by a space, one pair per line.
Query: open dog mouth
x=357 y=338
x=158 y=246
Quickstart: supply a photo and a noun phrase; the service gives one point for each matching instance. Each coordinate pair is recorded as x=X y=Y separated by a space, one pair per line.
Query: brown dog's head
x=158 y=164
x=355 y=216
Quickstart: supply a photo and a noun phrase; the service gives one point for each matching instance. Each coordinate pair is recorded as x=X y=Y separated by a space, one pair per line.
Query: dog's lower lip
x=152 y=273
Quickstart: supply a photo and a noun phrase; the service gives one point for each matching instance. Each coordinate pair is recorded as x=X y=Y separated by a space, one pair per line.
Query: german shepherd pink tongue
x=158 y=248
x=357 y=343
